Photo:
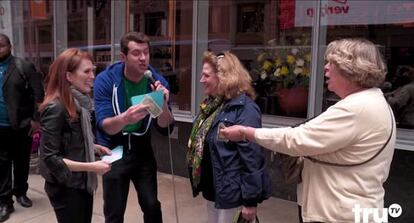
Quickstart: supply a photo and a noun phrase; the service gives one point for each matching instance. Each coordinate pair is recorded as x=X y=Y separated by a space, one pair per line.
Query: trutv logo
x=341 y=8
x=366 y=214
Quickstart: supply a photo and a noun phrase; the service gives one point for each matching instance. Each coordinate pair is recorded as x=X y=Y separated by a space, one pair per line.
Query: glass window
x=275 y=52
x=89 y=29
x=155 y=23
x=169 y=26
x=77 y=29
x=32 y=32
x=250 y=17
x=390 y=25
x=45 y=34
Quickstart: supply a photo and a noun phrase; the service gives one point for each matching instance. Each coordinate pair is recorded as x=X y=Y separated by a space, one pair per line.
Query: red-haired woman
x=67 y=149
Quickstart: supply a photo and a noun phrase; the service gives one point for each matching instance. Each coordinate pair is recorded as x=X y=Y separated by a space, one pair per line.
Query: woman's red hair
x=58 y=87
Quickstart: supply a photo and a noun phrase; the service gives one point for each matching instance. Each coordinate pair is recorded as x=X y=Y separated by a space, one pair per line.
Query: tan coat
x=351 y=131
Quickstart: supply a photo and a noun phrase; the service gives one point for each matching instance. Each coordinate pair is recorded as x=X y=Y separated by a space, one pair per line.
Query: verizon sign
x=355 y=12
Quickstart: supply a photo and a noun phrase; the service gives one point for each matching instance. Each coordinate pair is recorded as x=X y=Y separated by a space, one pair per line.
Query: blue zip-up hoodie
x=109 y=96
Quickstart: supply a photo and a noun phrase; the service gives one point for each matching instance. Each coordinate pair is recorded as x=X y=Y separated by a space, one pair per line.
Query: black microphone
x=149 y=76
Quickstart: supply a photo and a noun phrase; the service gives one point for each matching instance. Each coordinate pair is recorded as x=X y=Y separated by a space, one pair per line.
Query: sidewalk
x=190 y=210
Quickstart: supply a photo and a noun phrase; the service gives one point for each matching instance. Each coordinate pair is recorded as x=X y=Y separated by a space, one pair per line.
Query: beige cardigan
x=351 y=131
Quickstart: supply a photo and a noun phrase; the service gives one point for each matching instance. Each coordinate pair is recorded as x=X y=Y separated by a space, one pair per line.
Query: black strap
x=364 y=162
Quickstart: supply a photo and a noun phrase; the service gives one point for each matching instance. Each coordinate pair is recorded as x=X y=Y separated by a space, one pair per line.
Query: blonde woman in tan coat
x=355 y=138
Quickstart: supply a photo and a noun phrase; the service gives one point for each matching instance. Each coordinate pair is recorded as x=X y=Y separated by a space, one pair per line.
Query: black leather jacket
x=61 y=138
x=22 y=89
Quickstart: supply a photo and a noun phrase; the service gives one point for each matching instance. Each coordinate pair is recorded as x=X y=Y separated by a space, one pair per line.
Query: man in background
x=21 y=91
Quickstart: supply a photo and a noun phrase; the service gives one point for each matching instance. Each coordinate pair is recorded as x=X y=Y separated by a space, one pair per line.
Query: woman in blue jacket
x=229 y=175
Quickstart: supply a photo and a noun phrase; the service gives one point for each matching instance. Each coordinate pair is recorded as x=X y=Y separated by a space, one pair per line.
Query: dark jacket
x=22 y=89
x=109 y=95
x=61 y=138
x=240 y=176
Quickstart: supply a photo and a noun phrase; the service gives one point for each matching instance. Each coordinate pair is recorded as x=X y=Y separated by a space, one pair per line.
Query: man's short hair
x=4 y=36
x=137 y=37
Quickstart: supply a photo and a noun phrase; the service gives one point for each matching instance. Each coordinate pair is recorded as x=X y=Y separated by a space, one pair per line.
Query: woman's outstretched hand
x=233 y=133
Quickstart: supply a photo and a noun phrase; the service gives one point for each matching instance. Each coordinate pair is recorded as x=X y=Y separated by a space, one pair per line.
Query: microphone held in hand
x=148 y=74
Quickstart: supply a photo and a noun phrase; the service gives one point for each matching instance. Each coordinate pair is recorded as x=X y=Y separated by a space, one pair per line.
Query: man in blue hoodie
x=119 y=123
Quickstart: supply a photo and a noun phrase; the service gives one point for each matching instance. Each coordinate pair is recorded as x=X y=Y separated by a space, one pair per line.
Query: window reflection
x=390 y=25
x=250 y=18
x=89 y=29
x=399 y=92
x=169 y=26
x=272 y=49
x=155 y=23
x=32 y=37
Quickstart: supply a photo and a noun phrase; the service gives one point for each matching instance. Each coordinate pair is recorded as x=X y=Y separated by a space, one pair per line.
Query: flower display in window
x=289 y=65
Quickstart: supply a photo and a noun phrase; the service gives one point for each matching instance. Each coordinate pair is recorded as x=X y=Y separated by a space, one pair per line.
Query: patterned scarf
x=209 y=109
x=84 y=105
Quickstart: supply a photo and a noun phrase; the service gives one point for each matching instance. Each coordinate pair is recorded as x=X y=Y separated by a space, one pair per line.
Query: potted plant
x=287 y=68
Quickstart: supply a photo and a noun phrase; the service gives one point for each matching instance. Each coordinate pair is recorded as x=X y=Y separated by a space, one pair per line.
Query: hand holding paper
x=117 y=153
x=102 y=150
x=220 y=136
x=154 y=100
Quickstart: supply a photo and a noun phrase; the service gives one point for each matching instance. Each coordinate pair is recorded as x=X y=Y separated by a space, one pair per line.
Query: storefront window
x=390 y=25
x=89 y=28
x=32 y=32
x=276 y=53
x=169 y=26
